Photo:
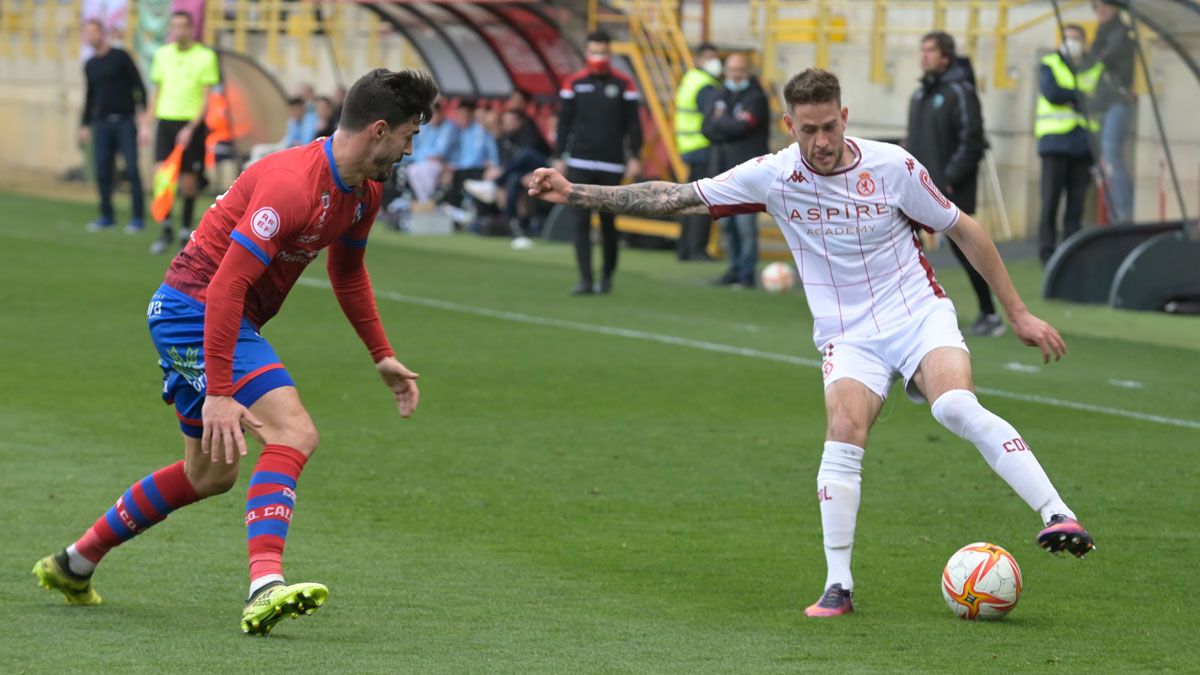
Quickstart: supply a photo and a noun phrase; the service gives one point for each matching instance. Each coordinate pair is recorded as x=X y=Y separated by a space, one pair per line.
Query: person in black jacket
x=599 y=141
x=737 y=125
x=1114 y=103
x=945 y=133
x=114 y=93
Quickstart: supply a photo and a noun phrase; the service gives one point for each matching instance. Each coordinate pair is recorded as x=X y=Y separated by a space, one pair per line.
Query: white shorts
x=878 y=360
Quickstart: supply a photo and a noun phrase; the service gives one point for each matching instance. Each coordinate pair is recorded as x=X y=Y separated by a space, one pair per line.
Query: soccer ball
x=778 y=278
x=981 y=581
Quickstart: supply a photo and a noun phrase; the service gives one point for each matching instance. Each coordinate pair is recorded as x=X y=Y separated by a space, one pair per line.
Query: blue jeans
x=523 y=162
x=1112 y=144
x=110 y=135
x=741 y=237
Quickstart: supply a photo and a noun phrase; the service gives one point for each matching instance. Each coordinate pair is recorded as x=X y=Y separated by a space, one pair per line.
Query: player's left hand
x=549 y=185
x=1037 y=333
x=402 y=382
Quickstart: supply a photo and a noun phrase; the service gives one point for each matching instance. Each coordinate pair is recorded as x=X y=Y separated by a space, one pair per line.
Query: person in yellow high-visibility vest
x=1065 y=78
x=695 y=94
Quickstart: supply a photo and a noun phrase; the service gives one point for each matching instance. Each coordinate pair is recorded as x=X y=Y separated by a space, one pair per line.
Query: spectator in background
x=522 y=150
x=325 y=123
x=599 y=140
x=1113 y=104
x=1065 y=78
x=184 y=71
x=474 y=152
x=431 y=147
x=945 y=133
x=696 y=92
x=338 y=99
x=737 y=125
x=301 y=126
x=114 y=93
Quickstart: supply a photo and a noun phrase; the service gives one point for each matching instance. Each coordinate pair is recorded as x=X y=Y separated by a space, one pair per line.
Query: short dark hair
x=706 y=47
x=295 y=101
x=814 y=85
x=1076 y=27
x=391 y=96
x=186 y=15
x=599 y=35
x=522 y=93
x=97 y=23
x=944 y=42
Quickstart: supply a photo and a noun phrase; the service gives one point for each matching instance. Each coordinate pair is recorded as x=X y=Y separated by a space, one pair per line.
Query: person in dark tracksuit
x=114 y=93
x=945 y=133
x=599 y=140
x=738 y=124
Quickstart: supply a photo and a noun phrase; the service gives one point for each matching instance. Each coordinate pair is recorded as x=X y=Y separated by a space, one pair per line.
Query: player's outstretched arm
x=654 y=198
x=979 y=249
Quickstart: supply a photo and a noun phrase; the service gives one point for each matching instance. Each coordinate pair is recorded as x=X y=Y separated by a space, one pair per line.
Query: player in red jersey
x=219 y=372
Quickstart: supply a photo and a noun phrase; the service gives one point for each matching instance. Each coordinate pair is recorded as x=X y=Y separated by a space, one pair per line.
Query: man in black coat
x=945 y=133
x=738 y=126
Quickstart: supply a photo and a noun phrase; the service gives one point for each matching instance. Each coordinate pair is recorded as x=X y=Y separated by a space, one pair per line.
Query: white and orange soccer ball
x=981 y=581
x=778 y=278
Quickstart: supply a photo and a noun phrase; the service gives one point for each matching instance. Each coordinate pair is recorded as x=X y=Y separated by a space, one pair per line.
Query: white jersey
x=853 y=233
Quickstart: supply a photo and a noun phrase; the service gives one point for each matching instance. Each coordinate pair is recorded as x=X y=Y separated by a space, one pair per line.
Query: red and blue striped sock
x=269 y=504
x=145 y=503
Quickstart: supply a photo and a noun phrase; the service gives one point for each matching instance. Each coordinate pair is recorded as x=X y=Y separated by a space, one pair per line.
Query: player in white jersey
x=850 y=210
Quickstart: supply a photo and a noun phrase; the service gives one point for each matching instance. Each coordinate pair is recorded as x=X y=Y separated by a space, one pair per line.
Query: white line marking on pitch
x=1022 y=367
x=737 y=351
x=1127 y=384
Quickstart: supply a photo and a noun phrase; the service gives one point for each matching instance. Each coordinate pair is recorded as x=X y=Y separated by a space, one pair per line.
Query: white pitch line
x=720 y=348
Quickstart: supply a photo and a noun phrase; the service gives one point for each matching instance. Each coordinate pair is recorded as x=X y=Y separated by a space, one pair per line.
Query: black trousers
x=694 y=230
x=1061 y=173
x=583 y=226
x=982 y=293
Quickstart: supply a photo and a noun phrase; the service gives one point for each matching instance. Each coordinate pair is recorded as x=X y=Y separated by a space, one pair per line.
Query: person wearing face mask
x=1066 y=78
x=696 y=92
x=737 y=125
x=599 y=141
x=945 y=133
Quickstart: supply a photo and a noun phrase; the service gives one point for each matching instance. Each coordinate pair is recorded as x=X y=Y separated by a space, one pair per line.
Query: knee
x=209 y=479
x=304 y=438
x=845 y=428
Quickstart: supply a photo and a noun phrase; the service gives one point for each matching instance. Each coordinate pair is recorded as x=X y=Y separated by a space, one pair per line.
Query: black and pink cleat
x=835 y=602
x=1066 y=534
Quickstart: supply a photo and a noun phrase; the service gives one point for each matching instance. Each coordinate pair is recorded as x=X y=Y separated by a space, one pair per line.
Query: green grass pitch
x=580 y=491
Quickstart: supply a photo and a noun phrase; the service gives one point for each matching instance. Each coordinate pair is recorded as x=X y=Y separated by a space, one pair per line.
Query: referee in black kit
x=114 y=93
x=597 y=116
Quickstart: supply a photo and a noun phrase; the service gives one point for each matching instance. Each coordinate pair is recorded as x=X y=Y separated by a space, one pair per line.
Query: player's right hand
x=550 y=186
x=1037 y=333
x=223 y=417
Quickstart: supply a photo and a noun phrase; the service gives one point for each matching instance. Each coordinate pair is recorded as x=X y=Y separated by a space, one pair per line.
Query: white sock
x=839 y=483
x=1005 y=451
x=79 y=565
x=258 y=583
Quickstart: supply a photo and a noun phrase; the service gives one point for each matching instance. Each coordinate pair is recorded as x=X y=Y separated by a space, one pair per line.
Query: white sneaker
x=482 y=190
x=522 y=243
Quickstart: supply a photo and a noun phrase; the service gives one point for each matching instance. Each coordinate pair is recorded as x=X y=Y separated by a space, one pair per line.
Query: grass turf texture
x=565 y=500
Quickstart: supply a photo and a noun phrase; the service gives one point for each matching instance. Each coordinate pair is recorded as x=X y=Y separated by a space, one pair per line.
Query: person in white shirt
x=850 y=210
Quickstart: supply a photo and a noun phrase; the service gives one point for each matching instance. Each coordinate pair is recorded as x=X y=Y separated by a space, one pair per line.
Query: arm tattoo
x=655 y=198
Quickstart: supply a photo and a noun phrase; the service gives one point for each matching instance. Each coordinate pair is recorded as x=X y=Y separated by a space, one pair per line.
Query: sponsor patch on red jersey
x=265 y=222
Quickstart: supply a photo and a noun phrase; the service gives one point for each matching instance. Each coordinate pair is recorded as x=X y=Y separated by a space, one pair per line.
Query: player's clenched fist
x=549 y=185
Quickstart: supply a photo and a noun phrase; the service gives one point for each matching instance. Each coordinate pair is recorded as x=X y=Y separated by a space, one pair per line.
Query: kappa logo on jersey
x=910 y=164
x=265 y=222
x=358 y=212
x=797 y=177
x=933 y=191
x=865 y=185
